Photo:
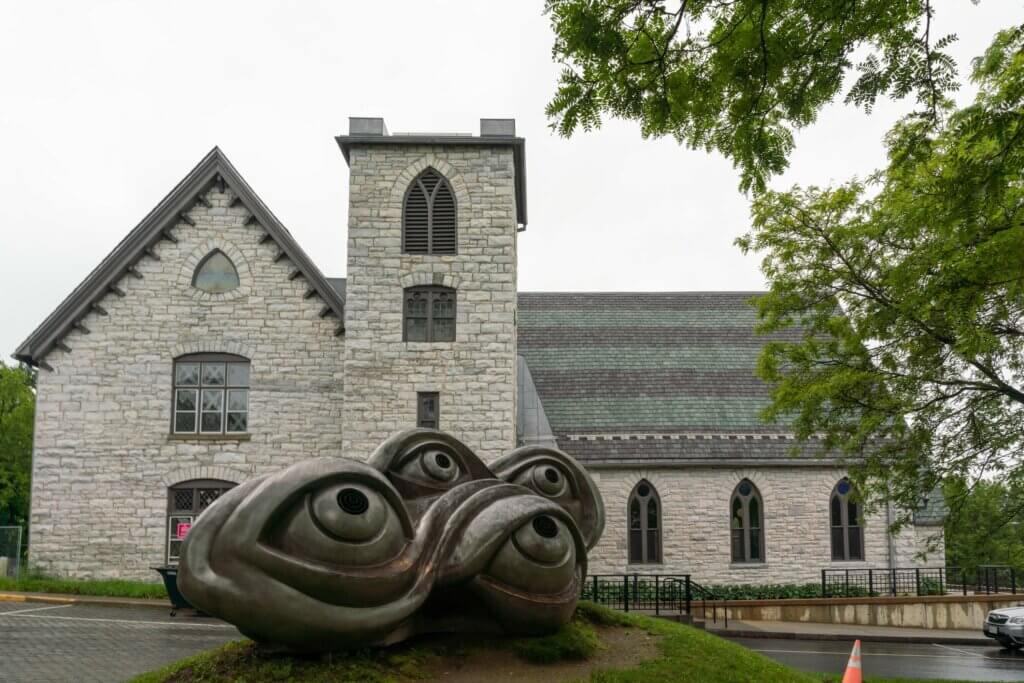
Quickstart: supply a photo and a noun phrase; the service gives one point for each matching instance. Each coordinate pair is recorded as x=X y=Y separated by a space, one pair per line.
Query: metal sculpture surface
x=423 y=537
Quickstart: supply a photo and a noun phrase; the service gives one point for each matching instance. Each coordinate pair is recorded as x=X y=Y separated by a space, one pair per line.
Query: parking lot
x=912 y=660
x=89 y=643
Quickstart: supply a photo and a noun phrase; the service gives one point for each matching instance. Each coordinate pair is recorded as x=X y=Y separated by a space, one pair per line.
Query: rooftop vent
x=495 y=127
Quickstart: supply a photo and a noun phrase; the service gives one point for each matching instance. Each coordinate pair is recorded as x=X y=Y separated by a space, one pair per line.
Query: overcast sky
x=105 y=105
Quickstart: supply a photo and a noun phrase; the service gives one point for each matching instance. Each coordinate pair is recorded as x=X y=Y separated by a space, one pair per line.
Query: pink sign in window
x=182 y=529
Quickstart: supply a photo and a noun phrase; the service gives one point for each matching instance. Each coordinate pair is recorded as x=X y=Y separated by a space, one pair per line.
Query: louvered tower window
x=428 y=217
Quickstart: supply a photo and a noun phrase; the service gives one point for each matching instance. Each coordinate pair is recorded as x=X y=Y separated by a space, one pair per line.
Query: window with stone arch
x=215 y=274
x=746 y=523
x=185 y=502
x=845 y=514
x=429 y=216
x=644 y=513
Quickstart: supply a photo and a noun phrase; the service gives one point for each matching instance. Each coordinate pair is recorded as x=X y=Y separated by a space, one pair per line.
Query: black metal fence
x=638 y=592
x=918 y=581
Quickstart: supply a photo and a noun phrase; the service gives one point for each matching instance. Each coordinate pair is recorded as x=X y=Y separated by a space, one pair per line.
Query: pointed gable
x=214 y=169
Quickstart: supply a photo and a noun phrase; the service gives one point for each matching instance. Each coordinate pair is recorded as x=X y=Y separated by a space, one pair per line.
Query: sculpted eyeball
x=439 y=466
x=549 y=480
x=344 y=524
x=350 y=513
x=542 y=549
x=431 y=467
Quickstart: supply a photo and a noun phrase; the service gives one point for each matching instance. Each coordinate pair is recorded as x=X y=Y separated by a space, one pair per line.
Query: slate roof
x=652 y=378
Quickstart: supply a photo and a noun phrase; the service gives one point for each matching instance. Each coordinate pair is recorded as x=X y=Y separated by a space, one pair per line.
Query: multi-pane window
x=644 y=525
x=184 y=503
x=428 y=409
x=211 y=394
x=746 y=523
x=429 y=314
x=428 y=216
x=845 y=515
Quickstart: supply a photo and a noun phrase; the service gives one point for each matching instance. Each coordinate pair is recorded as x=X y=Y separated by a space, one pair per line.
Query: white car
x=1007 y=626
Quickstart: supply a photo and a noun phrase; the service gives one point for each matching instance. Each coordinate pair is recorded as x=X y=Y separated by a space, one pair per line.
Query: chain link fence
x=10 y=551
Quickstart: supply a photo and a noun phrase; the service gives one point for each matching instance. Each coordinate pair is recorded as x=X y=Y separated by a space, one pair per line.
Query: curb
x=868 y=638
x=99 y=601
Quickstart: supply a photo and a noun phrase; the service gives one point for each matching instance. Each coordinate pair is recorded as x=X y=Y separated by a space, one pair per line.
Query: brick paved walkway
x=91 y=643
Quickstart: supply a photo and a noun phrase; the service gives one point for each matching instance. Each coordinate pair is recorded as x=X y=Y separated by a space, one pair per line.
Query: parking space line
x=20 y=613
x=963 y=652
x=33 y=609
x=867 y=655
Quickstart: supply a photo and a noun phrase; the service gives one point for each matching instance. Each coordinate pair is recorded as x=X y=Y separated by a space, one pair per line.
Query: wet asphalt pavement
x=912 y=660
x=57 y=643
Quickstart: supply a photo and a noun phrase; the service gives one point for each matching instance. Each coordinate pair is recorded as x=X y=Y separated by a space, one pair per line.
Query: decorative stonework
x=475 y=374
x=214 y=346
x=182 y=475
x=427 y=277
x=103 y=456
x=200 y=252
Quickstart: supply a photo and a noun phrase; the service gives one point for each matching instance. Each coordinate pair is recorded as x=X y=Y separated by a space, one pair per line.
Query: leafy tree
x=17 y=411
x=989 y=526
x=739 y=76
x=908 y=291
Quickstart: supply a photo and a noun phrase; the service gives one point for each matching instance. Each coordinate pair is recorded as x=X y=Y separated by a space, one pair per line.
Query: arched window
x=845 y=514
x=428 y=314
x=185 y=501
x=746 y=522
x=644 y=512
x=211 y=394
x=215 y=274
x=428 y=215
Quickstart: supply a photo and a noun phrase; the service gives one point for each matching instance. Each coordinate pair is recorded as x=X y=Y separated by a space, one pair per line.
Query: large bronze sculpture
x=423 y=537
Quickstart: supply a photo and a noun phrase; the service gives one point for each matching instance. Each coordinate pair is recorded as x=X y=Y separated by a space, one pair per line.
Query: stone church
x=207 y=348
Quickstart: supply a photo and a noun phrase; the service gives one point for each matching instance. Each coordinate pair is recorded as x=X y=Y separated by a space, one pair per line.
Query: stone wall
x=695 y=525
x=475 y=374
x=104 y=456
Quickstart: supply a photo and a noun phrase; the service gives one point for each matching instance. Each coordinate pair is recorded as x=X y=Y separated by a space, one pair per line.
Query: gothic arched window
x=746 y=522
x=845 y=515
x=644 y=512
x=428 y=215
x=215 y=274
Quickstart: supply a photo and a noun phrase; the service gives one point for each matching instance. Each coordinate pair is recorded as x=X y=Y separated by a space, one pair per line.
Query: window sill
x=748 y=565
x=209 y=437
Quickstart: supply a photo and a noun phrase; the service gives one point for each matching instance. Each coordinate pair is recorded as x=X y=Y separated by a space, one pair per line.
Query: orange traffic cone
x=854 y=672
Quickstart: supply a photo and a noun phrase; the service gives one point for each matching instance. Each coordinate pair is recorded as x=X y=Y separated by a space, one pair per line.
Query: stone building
x=208 y=349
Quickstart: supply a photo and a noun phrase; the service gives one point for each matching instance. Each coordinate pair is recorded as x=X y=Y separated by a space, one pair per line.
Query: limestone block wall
x=104 y=455
x=475 y=374
x=695 y=525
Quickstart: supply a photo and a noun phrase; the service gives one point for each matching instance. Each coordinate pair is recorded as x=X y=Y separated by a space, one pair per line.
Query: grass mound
x=575 y=641
x=686 y=654
x=109 y=589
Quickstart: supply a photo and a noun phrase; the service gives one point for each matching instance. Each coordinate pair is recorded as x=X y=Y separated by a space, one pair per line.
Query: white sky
x=105 y=105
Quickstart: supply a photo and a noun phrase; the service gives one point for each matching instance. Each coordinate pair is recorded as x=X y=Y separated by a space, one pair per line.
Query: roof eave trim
x=147 y=233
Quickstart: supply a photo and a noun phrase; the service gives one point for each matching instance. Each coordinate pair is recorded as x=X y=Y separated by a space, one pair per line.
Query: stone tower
x=403 y=364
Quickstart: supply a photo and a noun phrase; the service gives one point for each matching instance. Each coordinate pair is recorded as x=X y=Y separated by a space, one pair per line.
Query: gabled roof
x=653 y=377
x=158 y=225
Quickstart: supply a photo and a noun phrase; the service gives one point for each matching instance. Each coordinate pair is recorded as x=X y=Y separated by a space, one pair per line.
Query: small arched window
x=185 y=501
x=644 y=514
x=428 y=215
x=845 y=514
x=215 y=274
x=746 y=522
x=428 y=314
